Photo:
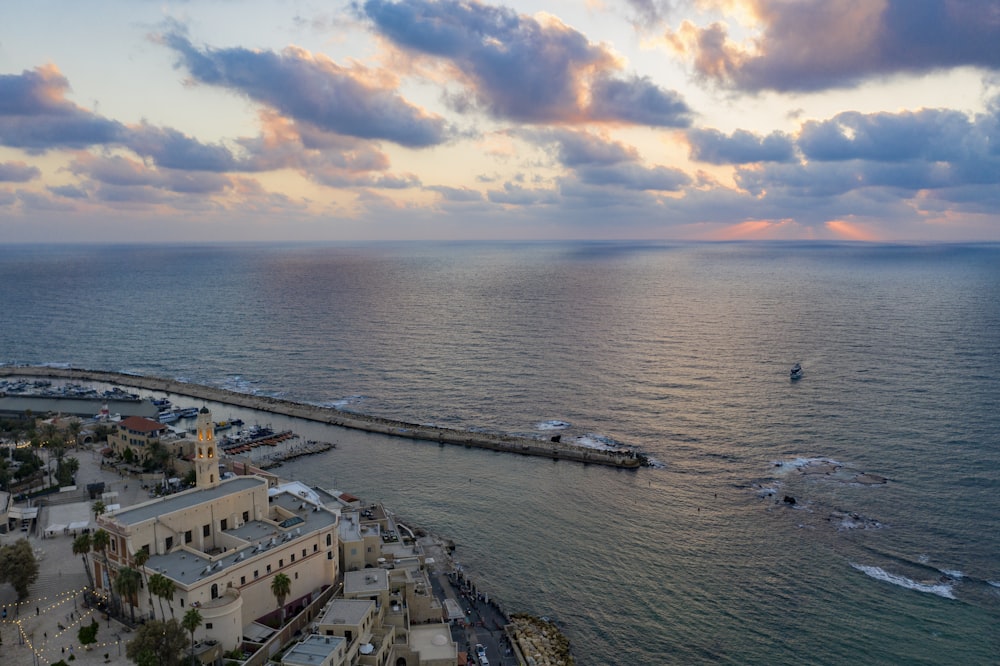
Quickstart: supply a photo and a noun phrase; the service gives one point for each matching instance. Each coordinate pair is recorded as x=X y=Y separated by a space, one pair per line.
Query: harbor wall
x=495 y=442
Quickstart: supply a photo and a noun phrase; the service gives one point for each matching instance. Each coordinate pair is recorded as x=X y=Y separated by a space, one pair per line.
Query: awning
x=55 y=529
x=79 y=525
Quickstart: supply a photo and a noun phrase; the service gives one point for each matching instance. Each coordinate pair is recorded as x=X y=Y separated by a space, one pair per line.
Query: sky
x=261 y=120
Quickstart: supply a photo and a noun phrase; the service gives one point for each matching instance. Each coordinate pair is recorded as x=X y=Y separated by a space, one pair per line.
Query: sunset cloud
x=312 y=89
x=809 y=45
x=517 y=67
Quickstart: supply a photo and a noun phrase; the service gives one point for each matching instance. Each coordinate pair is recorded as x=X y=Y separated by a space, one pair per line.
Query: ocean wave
x=554 y=424
x=803 y=463
x=599 y=442
x=940 y=589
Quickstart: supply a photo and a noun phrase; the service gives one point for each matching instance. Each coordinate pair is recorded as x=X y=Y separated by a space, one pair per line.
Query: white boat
x=167 y=416
x=795 y=372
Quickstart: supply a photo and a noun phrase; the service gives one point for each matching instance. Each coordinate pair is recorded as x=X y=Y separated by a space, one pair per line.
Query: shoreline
x=627 y=459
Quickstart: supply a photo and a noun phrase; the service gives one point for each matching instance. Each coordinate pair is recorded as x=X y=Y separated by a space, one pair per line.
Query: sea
x=850 y=516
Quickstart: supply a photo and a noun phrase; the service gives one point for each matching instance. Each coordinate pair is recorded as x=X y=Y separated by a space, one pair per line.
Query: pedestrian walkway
x=43 y=628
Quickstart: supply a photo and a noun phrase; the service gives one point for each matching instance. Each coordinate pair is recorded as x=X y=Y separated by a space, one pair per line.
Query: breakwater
x=622 y=458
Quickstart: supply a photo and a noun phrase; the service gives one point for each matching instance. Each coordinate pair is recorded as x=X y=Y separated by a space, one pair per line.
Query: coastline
x=624 y=459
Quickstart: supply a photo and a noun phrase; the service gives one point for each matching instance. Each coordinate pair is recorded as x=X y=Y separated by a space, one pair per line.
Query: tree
x=99 y=508
x=88 y=633
x=191 y=621
x=81 y=546
x=127 y=586
x=158 y=643
x=281 y=587
x=66 y=470
x=74 y=431
x=99 y=542
x=163 y=588
x=139 y=559
x=18 y=567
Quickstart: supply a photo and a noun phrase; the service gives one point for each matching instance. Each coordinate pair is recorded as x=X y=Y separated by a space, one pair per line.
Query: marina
x=553 y=448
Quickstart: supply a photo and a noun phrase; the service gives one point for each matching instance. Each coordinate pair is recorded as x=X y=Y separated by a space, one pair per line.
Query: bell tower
x=206 y=463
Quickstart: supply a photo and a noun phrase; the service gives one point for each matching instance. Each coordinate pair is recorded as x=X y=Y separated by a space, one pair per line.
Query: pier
x=625 y=459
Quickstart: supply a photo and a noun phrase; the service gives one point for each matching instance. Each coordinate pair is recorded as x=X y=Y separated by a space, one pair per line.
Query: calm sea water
x=682 y=351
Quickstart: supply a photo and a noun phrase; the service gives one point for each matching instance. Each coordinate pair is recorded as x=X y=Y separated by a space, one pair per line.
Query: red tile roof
x=142 y=424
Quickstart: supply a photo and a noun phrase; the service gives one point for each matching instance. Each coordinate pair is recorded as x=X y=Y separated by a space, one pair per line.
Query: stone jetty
x=555 y=450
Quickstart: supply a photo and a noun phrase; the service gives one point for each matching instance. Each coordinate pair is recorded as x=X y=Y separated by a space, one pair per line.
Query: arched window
x=329 y=539
x=215 y=590
x=200 y=453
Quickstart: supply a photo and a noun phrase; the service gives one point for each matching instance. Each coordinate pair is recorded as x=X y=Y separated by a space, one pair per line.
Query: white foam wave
x=994 y=583
x=554 y=424
x=953 y=573
x=599 y=442
x=940 y=589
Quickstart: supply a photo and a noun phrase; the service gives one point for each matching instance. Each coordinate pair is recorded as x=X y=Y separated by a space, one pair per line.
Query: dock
x=554 y=450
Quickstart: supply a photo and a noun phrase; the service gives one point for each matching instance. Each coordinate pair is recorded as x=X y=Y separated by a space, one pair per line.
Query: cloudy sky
x=131 y=120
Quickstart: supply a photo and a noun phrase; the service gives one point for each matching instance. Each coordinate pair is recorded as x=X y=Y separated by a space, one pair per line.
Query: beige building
x=222 y=543
x=136 y=433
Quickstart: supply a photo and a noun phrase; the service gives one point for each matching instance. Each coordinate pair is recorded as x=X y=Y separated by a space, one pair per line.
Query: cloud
x=741 y=147
x=172 y=149
x=811 y=45
x=313 y=89
x=457 y=194
x=36 y=116
x=907 y=152
x=18 y=172
x=516 y=67
x=635 y=177
x=516 y=195
x=929 y=134
x=120 y=173
x=576 y=148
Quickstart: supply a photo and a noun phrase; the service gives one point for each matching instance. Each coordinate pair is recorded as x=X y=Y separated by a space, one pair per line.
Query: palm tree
x=127 y=586
x=191 y=621
x=281 y=587
x=163 y=588
x=99 y=508
x=74 y=431
x=81 y=546
x=99 y=542
x=139 y=559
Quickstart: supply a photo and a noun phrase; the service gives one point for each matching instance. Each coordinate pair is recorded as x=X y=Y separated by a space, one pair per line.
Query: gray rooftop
x=346 y=611
x=186 y=500
x=187 y=565
x=312 y=650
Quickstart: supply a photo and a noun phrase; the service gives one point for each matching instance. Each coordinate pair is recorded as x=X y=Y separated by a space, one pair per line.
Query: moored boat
x=795 y=372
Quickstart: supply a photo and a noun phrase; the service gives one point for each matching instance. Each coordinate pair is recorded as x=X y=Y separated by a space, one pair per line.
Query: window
x=168 y=543
x=206 y=530
x=268 y=568
x=243 y=580
x=315 y=548
x=296 y=575
x=304 y=550
x=293 y=557
x=354 y=551
x=182 y=603
x=256 y=575
x=225 y=524
x=188 y=537
x=246 y=516
x=208 y=625
x=281 y=563
x=215 y=590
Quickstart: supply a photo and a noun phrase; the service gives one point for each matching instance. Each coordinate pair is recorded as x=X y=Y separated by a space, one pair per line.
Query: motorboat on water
x=796 y=371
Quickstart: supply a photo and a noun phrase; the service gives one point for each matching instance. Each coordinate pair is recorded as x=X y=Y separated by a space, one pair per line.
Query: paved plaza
x=43 y=629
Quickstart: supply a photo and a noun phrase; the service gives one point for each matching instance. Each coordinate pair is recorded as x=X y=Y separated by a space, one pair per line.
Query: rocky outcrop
x=538 y=641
